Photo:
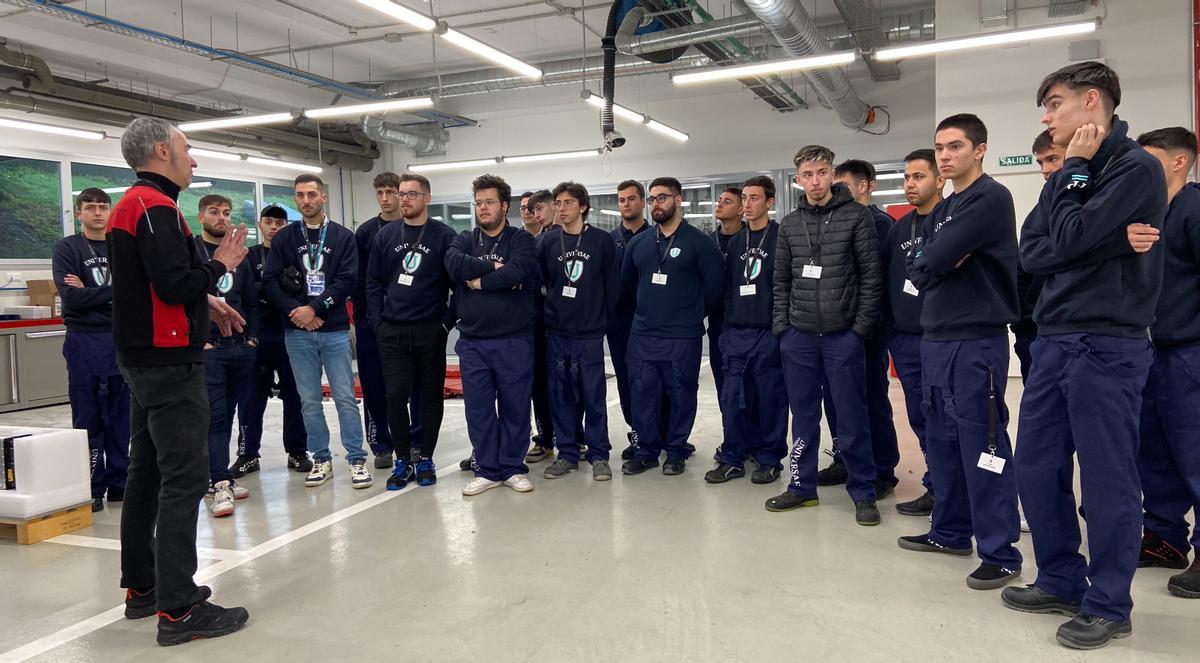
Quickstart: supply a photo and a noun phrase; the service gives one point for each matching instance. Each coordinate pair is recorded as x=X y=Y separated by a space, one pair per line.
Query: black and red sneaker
x=203 y=620
x=139 y=605
x=1156 y=552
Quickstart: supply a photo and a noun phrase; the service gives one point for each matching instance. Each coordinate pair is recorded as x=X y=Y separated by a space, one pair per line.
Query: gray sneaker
x=601 y=471
x=560 y=468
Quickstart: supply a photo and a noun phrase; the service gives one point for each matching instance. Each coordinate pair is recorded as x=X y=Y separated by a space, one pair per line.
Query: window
x=461 y=217
x=284 y=196
x=115 y=180
x=30 y=208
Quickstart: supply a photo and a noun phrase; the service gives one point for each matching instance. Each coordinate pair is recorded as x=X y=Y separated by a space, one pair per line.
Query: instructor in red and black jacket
x=161 y=311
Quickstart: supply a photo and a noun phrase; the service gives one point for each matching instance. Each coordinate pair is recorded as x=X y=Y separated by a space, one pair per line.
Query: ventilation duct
x=424 y=142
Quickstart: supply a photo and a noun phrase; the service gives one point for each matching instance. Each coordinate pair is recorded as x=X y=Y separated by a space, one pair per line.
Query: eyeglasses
x=409 y=195
x=660 y=198
x=564 y=204
x=487 y=203
x=527 y=208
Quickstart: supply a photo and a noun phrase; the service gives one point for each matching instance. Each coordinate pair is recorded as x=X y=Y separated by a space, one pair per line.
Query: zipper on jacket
x=817 y=259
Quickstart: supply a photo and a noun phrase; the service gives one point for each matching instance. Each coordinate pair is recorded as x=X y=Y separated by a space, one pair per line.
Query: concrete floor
x=647 y=568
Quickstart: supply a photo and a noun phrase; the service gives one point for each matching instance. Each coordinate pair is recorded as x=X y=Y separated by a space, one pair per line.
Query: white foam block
x=52 y=471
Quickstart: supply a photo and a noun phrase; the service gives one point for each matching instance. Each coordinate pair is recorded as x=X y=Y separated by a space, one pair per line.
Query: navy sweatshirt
x=622 y=236
x=239 y=291
x=750 y=260
x=268 y=316
x=338 y=262
x=978 y=299
x=1177 y=320
x=1077 y=238
x=716 y=316
x=503 y=306
x=883 y=223
x=395 y=253
x=364 y=235
x=589 y=265
x=903 y=311
x=86 y=309
x=694 y=272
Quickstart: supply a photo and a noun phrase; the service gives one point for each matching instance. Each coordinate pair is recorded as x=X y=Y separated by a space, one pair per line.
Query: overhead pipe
x=795 y=30
x=734 y=26
x=423 y=142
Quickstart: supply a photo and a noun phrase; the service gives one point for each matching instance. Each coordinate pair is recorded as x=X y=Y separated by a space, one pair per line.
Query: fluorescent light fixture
x=610 y=212
x=209 y=154
x=460 y=217
x=697 y=216
x=552 y=156
x=618 y=110
x=402 y=13
x=363 y=109
x=706 y=203
x=700 y=185
x=889 y=192
x=451 y=165
x=890 y=176
x=51 y=129
x=764 y=68
x=200 y=185
x=240 y=121
x=276 y=163
x=655 y=125
x=481 y=49
x=990 y=39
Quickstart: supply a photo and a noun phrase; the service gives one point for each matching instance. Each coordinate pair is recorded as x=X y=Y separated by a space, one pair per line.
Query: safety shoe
x=383 y=461
x=402 y=473
x=866 y=513
x=1156 y=552
x=922 y=506
x=537 y=454
x=724 y=472
x=560 y=468
x=426 y=472
x=467 y=464
x=1091 y=632
x=299 y=461
x=97 y=504
x=922 y=543
x=990 y=576
x=638 y=465
x=834 y=475
x=244 y=465
x=1186 y=585
x=673 y=466
x=764 y=474
x=884 y=488
x=1031 y=598
x=788 y=500
x=601 y=471
x=203 y=620
x=139 y=605
x=628 y=452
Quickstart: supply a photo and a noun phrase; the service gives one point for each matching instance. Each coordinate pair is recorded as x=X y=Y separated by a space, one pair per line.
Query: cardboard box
x=43 y=292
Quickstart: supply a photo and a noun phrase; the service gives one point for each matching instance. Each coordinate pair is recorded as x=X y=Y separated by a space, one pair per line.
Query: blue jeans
x=309 y=352
x=228 y=368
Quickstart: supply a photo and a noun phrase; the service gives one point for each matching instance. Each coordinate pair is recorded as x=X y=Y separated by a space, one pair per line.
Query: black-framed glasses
x=409 y=195
x=660 y=198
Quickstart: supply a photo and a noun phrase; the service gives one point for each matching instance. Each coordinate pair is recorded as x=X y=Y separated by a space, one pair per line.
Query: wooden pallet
x=50 y=525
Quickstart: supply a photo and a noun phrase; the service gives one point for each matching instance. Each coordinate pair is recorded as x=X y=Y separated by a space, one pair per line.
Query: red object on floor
x=453 y=388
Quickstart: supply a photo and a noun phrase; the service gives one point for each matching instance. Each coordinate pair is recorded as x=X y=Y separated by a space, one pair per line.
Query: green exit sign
x=1018 y=160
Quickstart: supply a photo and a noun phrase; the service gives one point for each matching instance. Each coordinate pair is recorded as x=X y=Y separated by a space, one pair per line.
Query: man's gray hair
x=137 y=143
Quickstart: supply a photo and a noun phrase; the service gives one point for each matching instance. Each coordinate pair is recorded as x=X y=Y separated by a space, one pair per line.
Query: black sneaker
x=722 y=473
x=1032 y=599
x=866 y=513
x=628 y=452
x=402 y=473
x=244 y=465
x=537 y=454
x=384 y=461
x=834 y=475
x=922 y=506
x=884 y=488
x=1186 y=585
x=1156 y=552
x=673 y=466
x=426 y=472
x=203 y=620
x=115 y=496
x=764 y=474
x=300 y=462
x=139 y=606
x=990 y=576
x=97 y=504
x=467 y=464
x=1091 y=632
x=638 y=465
x=788 y=501
x=922 y=543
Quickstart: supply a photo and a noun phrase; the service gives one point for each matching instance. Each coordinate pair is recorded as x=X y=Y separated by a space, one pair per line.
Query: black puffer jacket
x=842 y=241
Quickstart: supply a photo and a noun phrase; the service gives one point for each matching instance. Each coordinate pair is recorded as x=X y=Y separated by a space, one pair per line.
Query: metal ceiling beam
x=862 y=20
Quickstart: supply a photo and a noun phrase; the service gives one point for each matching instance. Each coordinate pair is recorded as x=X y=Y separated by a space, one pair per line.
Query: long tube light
x=51 y=129
x=209 y=154
x=276 y=163
x=409 y=16
x=452 y=165
x=240 y=121
x=890 y=176
x=123 y=189
x=991 y=39
x=670 y=132
x=364 y=109
x=552 y=156
x=764 y=68
x=634 y=116
x=472 y=45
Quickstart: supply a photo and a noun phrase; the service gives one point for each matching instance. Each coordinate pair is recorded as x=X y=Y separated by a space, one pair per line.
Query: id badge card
x=316 y=283
x=658 y=278
x=747 y=290
x=910 y=289
x=811 y=272
x=569 y=291
x=991 y=463
x=405 y=279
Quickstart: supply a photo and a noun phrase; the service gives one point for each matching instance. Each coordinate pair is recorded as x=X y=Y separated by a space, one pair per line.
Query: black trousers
x=409 y=352
x=168 y=476
x=541 y=389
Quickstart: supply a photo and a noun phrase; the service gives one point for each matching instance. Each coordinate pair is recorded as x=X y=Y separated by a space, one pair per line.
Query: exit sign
x=1018 y=160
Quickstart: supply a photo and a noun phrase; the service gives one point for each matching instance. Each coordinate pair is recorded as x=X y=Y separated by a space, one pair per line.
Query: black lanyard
x=104 y=269
x=812 y=252
x=479 y=235
x=562 y=245
x=912 y=234
x=658 y=252
x=757 y=255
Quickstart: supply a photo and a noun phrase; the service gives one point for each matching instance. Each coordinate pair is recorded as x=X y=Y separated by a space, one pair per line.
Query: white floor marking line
x=115 y=614
x=114 y=544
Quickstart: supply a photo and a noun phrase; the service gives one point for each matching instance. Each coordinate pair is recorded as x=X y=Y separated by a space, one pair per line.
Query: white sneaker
x=222 y=501
x=321 y=472
x=359 y=476
x=239 y=492
x=519 y=483
x=478 y=485
x=1024 y=525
